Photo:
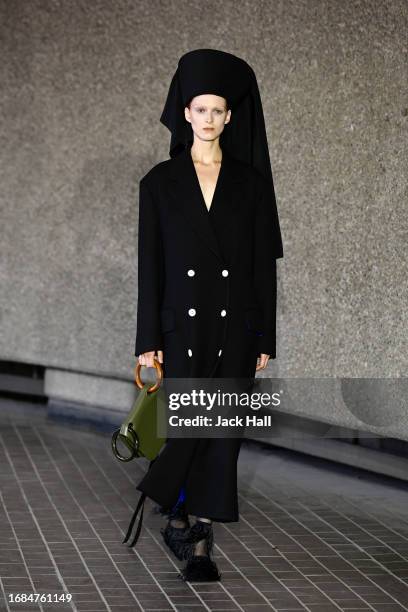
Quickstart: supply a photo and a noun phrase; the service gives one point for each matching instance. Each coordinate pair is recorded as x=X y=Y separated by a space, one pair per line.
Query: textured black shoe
x=198 y=532
x=174 y=537
x=200 y=568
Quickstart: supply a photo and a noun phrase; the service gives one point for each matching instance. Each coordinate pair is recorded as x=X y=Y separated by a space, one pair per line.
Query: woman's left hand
x=262 y=361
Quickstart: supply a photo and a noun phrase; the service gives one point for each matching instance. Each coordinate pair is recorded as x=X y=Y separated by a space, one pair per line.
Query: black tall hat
x=205 y=71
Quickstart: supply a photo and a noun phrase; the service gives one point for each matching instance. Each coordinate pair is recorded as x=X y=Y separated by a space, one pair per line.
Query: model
x=209 y=238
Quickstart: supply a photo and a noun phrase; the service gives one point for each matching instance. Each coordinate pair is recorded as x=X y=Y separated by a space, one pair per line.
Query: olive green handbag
x=138 y=431
x=139 y=434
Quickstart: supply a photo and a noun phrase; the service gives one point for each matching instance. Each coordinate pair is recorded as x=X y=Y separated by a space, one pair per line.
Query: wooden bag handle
x=159 y=373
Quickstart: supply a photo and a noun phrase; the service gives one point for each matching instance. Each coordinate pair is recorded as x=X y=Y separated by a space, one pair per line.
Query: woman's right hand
x=146 y=359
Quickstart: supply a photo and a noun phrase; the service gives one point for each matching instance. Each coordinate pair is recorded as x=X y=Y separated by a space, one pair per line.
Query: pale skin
x=208 y=114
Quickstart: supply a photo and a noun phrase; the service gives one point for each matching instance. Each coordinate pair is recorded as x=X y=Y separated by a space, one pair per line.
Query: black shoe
x=174 y=537
x=200 y=568
x=198 y=532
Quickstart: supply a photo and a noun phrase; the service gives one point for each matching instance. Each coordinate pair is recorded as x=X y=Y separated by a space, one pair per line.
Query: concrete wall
x=82 y=88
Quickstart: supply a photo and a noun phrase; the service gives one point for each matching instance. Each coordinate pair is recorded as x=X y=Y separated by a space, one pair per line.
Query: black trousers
x=205 y=467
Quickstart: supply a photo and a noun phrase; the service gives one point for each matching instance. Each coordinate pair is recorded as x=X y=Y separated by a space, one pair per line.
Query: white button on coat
x=219 y=352
x=191 y=272
x=223 y=313
x=190 y=353
x=224 y=272
x=192 y=312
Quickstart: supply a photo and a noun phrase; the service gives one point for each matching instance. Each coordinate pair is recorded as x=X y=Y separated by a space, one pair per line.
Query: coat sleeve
x=267 y=249
x=150 y=274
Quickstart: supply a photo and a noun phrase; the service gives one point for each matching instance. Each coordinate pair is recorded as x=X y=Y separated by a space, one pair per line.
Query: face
x=208 y=115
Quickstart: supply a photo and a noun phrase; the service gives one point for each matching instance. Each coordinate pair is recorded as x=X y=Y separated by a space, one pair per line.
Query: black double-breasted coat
x=207 y=298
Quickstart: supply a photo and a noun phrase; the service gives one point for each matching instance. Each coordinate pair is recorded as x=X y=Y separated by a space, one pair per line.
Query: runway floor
x=312 y=535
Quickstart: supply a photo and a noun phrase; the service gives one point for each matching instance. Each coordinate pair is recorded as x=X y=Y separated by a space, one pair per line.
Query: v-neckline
x=207 y=210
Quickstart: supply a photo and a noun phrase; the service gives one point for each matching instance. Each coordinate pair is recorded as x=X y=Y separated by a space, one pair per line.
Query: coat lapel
x=185 y=191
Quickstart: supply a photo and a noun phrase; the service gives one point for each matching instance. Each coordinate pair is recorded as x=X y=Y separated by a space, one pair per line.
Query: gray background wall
x=83 y=84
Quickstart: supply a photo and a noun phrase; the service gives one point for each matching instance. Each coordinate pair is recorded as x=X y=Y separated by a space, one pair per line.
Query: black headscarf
x=205 y=71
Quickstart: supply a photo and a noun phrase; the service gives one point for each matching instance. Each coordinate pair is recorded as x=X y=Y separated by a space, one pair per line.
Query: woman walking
x=209 y=238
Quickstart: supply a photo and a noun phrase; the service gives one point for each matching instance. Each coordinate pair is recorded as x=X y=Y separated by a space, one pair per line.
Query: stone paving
x=311 y=536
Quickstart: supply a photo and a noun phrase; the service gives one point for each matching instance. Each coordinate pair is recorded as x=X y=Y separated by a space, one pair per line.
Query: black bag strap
x=140 y=505
x=133 y=520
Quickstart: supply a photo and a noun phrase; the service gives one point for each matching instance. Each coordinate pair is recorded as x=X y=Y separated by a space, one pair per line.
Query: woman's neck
x=206 y=152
